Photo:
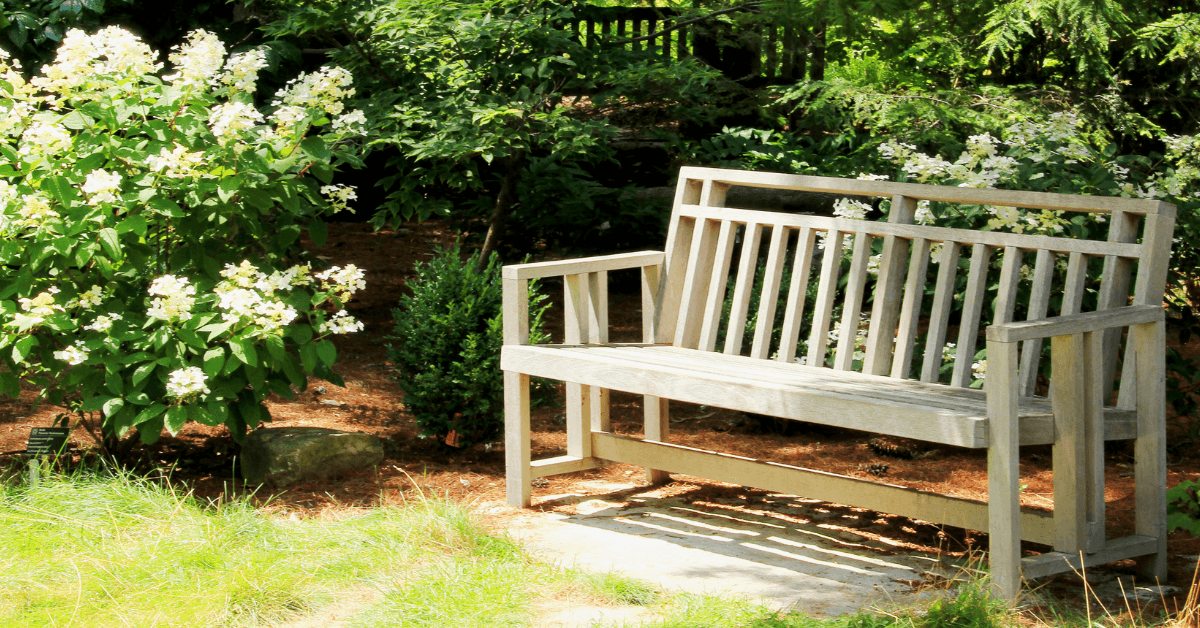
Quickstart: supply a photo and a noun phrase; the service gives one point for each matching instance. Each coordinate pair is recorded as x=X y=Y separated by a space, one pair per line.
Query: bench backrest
x=913 y=293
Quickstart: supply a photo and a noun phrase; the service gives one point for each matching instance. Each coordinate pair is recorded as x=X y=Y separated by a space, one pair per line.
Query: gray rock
x=284 y=455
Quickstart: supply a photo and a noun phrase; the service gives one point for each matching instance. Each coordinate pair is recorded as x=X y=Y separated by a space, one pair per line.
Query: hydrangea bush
x=149 y=273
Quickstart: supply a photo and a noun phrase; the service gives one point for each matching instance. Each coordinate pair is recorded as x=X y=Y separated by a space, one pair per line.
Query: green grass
x=112 y=550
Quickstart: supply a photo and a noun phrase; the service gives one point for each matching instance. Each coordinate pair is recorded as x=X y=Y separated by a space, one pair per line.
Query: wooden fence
x=763 y=52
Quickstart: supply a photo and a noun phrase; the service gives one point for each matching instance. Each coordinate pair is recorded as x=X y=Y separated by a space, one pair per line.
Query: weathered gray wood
x=1072 y=302
x=910 y=317
x=598 y=334
x=586 y=265
x=656 y=416
x=563 y=464
x=578 y=402
x=765 y=324
x=1076 y=323
x=695 y=284
x=939 y=317
x=751 y=240
x=948 y=194
x=831 y=487
x=797 y=294
x=518 y=474
x=1150 y=448
x=831 y=263
x=1114 y=291
x=972 y=312
x=1151 y=282
x=1093 y=436
x=1051 y=563
x=675 y=262
x=1039 y=305
x=885 y=311
x=515 y=306
x=850 y=226
x=1004 y=477
x=1069 y=386
x=711 y=325
x=856 y=282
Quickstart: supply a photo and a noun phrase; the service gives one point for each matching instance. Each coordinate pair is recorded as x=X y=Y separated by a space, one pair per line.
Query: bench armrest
x=583 y=265
x=1075 y=323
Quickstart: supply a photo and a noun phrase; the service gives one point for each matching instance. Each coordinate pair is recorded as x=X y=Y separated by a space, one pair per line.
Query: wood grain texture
x=885 y=310
x=797 y=294
x=1076 y=323
x=910 y=310
x=714 y=304
x=939 y=316
x=856 y=283
x=831 y=263
x=1039 y=305
x=972 y=312
x=772 y=274
x=1004 y=477
x=517 y=474
x=751 y=241
x=584 y=265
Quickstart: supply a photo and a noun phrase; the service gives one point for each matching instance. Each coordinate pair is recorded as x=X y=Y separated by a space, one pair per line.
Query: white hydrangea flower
x=101 y=186
x=923 y=167
x=287 y=117
x=873 y=263
x=187 y=383
x=238 y=303
x=232 y=117
x=44 y=139
x=177 y=162
x=273 y=316
x=281 y=281
x=344 y=281
x=73 y=355
x=83 y=60
x=354 y=122
x=90 y=298
x=849 y=208
x=241 y=70
x=896 y=151
x=14 y=118
x=339 y=196
x=42 y=305
x=174 y=297
x=325 y=89
x=924 y=214
x=35 y=211
x=103 y=323
x=979 y=369
x=197 y=60
x=872 y=177
x=341 y=323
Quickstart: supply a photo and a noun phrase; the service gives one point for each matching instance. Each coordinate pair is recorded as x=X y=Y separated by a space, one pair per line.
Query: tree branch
x=749 y=7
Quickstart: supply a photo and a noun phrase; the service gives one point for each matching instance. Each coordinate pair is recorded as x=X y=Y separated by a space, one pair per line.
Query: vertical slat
x=1004 y=477
x=797 y=294
x=751 y=240
x=910 y=310
x=1114 y=291
x=518 y=475
x=1039 y=305
x=598 y=333
x=831 y=264
x=577 y=319
x=1150 y=448
x=656 y=418
x=1067 y=356
x=852 y=305
x=968 y=331
x=1073 y=289
x=1010 y=276
x=1151 y=281
x=716 y=290
x=515 y=303
x=695 y=284
x=886 y=308
x=769 y=299
x=1093 y=435
x=679 y=243
x=939 y=317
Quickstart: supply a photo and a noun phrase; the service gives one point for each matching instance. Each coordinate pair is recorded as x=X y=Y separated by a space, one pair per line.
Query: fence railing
x=770 y=52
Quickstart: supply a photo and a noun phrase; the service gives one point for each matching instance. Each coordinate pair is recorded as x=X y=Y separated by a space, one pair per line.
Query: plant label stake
x=44 y=442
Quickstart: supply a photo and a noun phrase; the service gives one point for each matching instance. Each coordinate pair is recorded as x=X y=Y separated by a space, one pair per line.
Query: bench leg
x=1150 y=448
x=518 y=473
x=1004 y=480
x=657 y=427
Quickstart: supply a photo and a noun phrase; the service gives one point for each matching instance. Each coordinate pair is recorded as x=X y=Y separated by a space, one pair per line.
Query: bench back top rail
x=893 y=298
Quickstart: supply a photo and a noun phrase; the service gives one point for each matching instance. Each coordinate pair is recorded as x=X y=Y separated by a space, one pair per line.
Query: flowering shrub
x=148 y=229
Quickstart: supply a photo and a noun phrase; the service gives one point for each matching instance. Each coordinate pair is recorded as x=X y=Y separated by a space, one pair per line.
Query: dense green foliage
x=449 y=333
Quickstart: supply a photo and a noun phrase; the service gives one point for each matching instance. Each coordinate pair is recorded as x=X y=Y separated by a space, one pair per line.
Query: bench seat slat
x=853 y=400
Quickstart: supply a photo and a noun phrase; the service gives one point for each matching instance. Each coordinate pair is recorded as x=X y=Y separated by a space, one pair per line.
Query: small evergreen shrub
x=449 y=333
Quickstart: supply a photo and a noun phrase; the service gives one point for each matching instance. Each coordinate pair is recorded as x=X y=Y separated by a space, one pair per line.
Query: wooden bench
x=891 y=387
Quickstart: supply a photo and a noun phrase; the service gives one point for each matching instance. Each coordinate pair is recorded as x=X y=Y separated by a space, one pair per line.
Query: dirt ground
x=203 y=457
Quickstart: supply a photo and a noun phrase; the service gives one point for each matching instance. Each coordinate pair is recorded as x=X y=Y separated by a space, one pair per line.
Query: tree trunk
x=512 y=166
x=816 y=69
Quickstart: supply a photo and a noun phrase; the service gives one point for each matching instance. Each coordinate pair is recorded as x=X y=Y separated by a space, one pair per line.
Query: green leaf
x=214 y=359
x=111 y=243
x=135 y=223
x=149 y=412
x=177 y=416
x=327 y=352
x=228 y=188
x=113 y=406
x=316 y=147
x=318 y=232
x=96 y=403
x=142 y=372
x=275 y=347
x=60 y=190
x=244 y=351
